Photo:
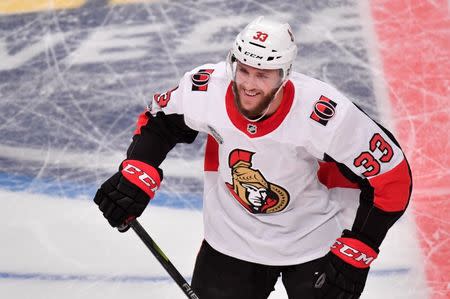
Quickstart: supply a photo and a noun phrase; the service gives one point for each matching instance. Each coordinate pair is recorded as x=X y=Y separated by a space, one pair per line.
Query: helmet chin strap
x=267 y=109
x=260 y=117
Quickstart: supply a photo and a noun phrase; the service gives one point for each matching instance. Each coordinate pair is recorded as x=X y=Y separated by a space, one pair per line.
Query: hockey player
x=277 y=142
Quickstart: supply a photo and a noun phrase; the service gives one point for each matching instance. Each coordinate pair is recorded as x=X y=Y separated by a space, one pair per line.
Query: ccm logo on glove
x=354 y=252
x=142 y=175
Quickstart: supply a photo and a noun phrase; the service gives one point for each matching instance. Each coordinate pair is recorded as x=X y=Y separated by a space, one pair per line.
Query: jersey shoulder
x=206 y=74
x=311 y=90
x=321 y=105
x=202 y=93
x=207 y=82
x=318 y=110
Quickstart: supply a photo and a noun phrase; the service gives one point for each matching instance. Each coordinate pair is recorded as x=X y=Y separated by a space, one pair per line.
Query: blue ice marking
x=83 y=277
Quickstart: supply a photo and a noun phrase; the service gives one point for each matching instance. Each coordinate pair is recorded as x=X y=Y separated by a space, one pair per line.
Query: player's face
x=255 y=88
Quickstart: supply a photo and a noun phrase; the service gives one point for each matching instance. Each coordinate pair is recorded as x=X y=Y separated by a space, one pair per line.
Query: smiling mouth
x=250 y=93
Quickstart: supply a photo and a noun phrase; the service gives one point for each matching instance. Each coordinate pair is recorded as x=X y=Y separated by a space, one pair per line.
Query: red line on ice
x=414 y=43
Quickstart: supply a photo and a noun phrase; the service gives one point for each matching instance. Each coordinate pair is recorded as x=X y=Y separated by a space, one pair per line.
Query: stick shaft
x=162 y=258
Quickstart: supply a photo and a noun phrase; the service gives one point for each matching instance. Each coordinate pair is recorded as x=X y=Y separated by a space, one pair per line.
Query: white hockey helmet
x=265 y=44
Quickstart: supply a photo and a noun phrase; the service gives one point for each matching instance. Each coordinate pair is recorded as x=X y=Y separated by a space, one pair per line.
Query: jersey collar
x=265 y=126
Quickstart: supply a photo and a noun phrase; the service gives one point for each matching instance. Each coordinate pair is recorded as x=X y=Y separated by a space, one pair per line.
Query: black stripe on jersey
x=386 y=131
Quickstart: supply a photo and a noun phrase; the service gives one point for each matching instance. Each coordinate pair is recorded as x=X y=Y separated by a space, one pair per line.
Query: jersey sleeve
x=160 y=127
x=370 y=156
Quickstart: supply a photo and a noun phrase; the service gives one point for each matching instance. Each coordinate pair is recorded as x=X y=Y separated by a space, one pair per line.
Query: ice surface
x=72 y=82
x=59 y=248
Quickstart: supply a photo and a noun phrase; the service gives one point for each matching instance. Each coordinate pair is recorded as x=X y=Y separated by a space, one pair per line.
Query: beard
x=259 y=110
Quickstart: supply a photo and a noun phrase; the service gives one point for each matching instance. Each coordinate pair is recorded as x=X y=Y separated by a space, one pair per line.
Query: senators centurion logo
x=251 y=189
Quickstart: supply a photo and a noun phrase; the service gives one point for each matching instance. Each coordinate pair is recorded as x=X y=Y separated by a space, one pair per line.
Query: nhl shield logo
x=251 y=189
x=252 y=128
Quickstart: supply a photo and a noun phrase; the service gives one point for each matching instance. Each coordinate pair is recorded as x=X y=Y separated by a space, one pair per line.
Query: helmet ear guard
x=231 y=65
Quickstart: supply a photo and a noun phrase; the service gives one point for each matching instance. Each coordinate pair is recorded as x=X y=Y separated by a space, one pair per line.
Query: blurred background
x=75 y=74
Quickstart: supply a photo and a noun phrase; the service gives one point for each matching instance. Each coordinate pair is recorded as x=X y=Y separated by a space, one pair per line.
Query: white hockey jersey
x=263 y=201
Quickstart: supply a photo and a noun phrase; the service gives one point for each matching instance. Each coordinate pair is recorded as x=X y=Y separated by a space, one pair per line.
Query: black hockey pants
x=218 y=276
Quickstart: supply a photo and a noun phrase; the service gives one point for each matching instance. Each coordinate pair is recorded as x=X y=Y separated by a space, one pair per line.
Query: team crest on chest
x=251 y=189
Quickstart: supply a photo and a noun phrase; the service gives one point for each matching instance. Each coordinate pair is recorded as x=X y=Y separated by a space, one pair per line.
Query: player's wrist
x=354 y=250
x=142 y=175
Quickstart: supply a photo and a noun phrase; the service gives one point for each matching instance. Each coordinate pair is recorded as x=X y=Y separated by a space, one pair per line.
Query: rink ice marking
x=11 y=7
x=136 y=278
x=414 y=44
x=84 y=277
x=27 y=6
x=401 y=241
x=118 y=2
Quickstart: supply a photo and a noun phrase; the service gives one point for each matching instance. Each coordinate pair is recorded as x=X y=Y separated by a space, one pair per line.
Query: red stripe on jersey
x=330 y=175
x=211 y=155
x=392 y=189
x=267 y=125
x=141 y=122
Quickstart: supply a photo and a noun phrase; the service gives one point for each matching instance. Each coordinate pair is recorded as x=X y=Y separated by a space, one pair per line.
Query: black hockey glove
x=127 y=193
x=345 y=269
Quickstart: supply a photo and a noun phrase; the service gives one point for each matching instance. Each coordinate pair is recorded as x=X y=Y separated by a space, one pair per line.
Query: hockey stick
x=160 y=256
